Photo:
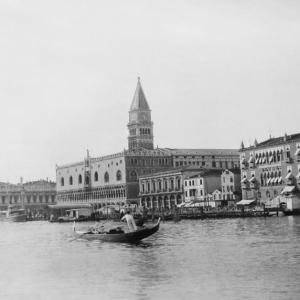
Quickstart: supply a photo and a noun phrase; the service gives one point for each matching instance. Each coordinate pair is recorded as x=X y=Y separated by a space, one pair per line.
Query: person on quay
x=130 y=221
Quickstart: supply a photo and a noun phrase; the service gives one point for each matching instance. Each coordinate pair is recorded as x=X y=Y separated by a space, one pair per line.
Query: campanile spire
x=140 y=125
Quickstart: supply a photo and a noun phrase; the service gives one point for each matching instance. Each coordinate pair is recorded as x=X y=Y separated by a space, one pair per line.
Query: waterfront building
x=271 y=168
x=164 y=189
x=231 y=186
x=31 y=195
x=204 y=188
x=113 y=179
x=215 y=199
x=205 y=158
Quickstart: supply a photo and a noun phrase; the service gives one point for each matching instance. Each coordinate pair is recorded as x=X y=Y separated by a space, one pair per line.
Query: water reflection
x=252 y=258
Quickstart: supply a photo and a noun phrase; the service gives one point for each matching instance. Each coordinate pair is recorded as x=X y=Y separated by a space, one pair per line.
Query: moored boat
x=118 y=235
x=13 y=214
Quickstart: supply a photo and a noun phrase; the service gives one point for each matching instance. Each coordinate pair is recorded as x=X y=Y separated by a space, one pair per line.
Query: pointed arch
x=70 y=180
x=106 y=177
x=80 y=179
x=96 y=177
x=119 y=175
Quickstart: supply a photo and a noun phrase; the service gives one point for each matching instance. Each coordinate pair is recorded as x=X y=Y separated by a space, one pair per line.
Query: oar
x=80 y=235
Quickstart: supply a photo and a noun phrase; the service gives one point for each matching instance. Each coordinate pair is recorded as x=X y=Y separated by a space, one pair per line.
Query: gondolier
x=130 y=221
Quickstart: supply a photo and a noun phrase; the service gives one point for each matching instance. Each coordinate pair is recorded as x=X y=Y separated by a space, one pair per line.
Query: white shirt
x=130 y=222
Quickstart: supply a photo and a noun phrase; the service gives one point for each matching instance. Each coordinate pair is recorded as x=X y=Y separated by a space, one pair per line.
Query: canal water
x=251 y=258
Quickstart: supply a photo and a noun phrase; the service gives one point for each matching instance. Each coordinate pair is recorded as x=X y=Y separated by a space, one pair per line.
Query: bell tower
x=140 y=125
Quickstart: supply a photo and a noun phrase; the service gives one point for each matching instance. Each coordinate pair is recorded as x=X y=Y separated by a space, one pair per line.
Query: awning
x=288 y=189
x=252 y=179
x=244 y=180
x=279 y=179
x=276 y=180
x=297 y=152
x=257 y=161
x=270 y=159
x=289 y=175
x=272 y=180
x=69 y=205
x=251 y=159
x=268 y=181
x=298 y=175
x=245 y=202
x=264 y=160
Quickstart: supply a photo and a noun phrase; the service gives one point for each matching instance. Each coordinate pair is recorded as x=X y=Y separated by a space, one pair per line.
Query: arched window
x=80 y=179
x=133 y=175
x=62 y=181
x=106 y=177
x=96 y=176
x=70 y=180
x=119 y=175
x=87 y=180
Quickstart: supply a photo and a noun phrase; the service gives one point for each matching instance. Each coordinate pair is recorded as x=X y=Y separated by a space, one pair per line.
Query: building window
x=133 y=175
x=62 y=181
x=231 y=179
x=96 y=177
x=172 y=184
x=71 y=180
x=80 y=179
x=159 y=185
x=119 y=175
x=87 y=180
x=106 y=177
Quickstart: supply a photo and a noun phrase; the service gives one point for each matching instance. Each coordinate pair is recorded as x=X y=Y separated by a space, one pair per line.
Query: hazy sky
x=214 y=73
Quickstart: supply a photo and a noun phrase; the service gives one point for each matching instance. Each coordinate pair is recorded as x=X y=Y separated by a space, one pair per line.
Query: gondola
x=115 y=236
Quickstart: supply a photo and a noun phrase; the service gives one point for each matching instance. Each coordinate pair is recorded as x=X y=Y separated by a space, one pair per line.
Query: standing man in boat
x=130 y=221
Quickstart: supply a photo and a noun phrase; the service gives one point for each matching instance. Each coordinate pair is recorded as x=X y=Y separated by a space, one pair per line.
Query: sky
x=214 y=73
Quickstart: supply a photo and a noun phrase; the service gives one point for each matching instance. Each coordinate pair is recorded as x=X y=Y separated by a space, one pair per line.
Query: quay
x=200 y=213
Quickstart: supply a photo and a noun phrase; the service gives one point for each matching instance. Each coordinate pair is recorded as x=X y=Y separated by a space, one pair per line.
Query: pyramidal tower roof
x=139 y=101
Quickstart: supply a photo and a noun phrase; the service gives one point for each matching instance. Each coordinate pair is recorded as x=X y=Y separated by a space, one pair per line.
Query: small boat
x=116 y=235
x=13 y=214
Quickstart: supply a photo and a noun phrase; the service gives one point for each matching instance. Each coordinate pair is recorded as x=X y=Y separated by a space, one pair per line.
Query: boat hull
x=14 y=218
x=130 y=237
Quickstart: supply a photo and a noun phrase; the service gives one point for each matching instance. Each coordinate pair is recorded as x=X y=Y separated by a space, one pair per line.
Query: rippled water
x=253 y=258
